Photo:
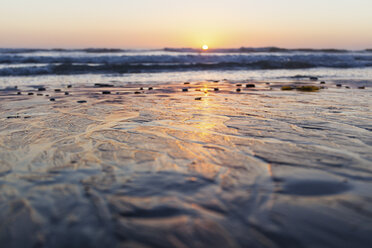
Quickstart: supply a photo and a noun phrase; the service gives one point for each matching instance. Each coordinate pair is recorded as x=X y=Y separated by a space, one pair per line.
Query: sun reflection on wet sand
x=229 y=166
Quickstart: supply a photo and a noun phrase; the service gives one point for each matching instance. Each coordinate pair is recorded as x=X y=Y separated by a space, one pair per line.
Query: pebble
x=238 y=90
x=186 y=83
x=313 y=78
x=103 y=85
x=150 y=88
x=216 y=89
x=137 y=92
x=41 y=89
x=267 y=83
x=322 y=82
x=141 y=88
x=106 y=92
x=347 y=87
x=250 y=85
x=81 y=101
x=57 y=90
x=185 y=89
x=69 y=86
x=362 y=87
x=52 y=99
x=198 y=98
x=238 y=85
x=30 y=93
x=66 y=93
x=19 y=93
x=338 y=85
x=39 y=94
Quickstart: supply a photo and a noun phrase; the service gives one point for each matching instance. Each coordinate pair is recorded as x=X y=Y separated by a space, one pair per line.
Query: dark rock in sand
x=137 y=92
x=186 y=83
x=39 y=94
x=267 y=83
x=69 y=86
x=313 y=78
x=141 y=88
x=103 y=85
x=238 y=90
x=185 y=89
x=66 y=93
x=362 y=87
x=81 y=101
x=46 y=95
x=322 y=82
x=13 y=117
x=57 y=90
x=106 y=92
x=19 y=93
x=41 y=89
x=250 y=85
x=339 y=85
x=238 y=85
x=216 y=89
x=150 y=88
x=347 y=87
x=30 y=93
x=52 y=99
x=287 y=87
x=198 y=98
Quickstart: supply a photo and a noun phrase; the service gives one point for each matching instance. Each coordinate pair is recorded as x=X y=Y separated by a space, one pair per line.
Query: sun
x=205 y=47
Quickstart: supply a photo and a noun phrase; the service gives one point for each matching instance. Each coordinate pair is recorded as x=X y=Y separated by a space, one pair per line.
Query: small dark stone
x=13 y=117
x=39 y=94
x=216 y=89
x=250 y=85
x=52 y=99
x=57 y=90
x=362 y=87
x=313 y=78
x=185 y=89
x=46 y=95
x=137 y=92
x=198 y=98
x=186 y=83
x=106 y=92
x=267 y=83
x=30 y=93
x=238 y=85
x=19 y=93
x=141 y=88
x=322 y=82
x=66 y=93
x=347 y=87
x=339 y=85
x=41 y=89
x=150 y=88
x=69 y=86
x=81 y=101
x=238 y=90
x=103 y=85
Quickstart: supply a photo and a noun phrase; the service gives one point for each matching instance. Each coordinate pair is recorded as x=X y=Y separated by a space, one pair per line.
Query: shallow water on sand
x=256 y=168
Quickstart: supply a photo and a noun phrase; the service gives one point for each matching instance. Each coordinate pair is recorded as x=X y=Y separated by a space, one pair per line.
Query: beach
x=203 y=163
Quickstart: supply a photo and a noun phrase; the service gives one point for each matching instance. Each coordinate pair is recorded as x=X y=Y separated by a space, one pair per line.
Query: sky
x=186 y=23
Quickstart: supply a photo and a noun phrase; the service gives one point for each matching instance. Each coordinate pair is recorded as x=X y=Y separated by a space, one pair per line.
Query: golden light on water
x=205 y=47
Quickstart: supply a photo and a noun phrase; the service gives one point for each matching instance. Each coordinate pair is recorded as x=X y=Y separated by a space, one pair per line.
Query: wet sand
x=195 y=164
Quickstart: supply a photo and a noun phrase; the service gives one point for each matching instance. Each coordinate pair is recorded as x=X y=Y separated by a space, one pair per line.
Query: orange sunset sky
x=181 y=23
